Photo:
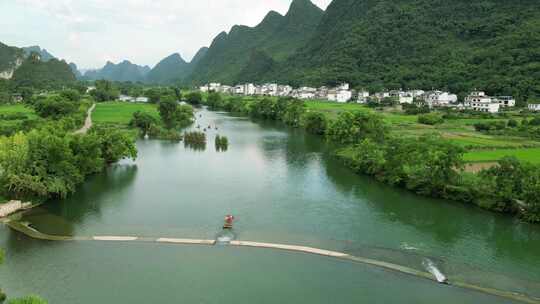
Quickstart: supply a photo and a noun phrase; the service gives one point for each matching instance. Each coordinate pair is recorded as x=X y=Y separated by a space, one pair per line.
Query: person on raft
x=229 y=219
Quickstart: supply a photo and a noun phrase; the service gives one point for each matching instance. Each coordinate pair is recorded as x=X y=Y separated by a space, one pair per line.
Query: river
x=283 y=186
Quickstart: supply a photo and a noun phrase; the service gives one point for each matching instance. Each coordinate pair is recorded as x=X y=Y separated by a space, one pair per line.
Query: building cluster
x=476 y=101
x=127 y=98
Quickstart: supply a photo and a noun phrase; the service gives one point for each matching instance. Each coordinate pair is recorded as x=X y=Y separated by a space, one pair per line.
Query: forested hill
x=37 y=74
x=123 y=71
x=278 y=36
x=43 y=53
x=9 y=56
x=458 y=44
x=174 y=68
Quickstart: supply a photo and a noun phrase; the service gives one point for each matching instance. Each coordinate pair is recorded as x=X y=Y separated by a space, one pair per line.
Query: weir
x=434 y=273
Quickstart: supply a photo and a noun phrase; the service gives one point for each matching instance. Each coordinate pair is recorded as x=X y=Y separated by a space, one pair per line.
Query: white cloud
x=90 y=32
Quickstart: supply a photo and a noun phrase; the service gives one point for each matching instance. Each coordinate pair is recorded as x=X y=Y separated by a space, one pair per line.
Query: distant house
x=239 y=89
x=534 y=106
x=439 y=99
x=126 y=98
x=204 y=88
x=479 y=101
x=90 y=89
x=249 y=89
x=363 y=96
x=306 y=93
x=141 y=99
x=505 y=101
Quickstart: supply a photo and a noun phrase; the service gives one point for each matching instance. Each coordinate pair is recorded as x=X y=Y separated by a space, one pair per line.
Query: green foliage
x=194 y=98
x=55 y=106
x=37 y=74
x=115 y=144
x=28 y=300
x=430 y=119
x=457 y=45
x=51 y=162
x=143 y=121
x=221 y=143
x=195 y=140
x=105 y=91
x=71 y=95
x=214 y=100
x=353 y=127
x=276 y=37
x=314 y=123
x=490 y=126
x=8 y=56
x=174 y=115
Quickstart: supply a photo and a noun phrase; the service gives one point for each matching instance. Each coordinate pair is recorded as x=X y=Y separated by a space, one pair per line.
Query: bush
x=430 y=119
x=512 y=123
x=222 y=143
x=314 y=122
x=490 y=126
x=55 y=106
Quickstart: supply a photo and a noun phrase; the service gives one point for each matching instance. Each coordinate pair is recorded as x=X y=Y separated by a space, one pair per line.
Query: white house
x=126 y=98
x=141 y=99
x=249 y=89
x=439 y=98
x=284 y=90
x=362 y=96
x=306 y=93
x=214 y=87
x=479 y=101
x=204 y=88
x=239 y=89
x=225 y=89
x=534 y=106
x=505 y=101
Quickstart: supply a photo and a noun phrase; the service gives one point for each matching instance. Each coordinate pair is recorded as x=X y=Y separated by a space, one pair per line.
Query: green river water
x=283 y=187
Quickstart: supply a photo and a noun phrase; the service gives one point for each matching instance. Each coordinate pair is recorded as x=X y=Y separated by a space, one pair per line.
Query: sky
x=92 y=32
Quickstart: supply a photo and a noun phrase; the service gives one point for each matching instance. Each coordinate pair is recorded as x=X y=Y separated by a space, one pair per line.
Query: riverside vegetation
x=429 y=165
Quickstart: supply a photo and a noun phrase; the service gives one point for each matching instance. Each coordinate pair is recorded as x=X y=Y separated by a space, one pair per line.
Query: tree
x=55 y=106
x=314 y=122
x=71 y=95
x=174 y=115
x=143 y=121
x=153 y=94
x=167 y=111
x=430 y=119
x=105 y=91
x=194 y=98
x=214 y=100
x=352 y=127
x=116 y=145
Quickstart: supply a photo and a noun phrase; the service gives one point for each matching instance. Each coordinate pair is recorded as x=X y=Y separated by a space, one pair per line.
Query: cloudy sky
x=90 y=32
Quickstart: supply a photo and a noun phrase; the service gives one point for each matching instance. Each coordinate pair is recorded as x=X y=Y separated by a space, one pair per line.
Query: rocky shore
x=12 y=207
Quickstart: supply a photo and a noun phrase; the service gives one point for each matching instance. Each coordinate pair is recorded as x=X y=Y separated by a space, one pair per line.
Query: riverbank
x=13 y=206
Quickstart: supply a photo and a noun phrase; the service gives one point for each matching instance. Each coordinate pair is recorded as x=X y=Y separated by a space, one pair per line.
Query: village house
x=17 y=98
x=126 y=98
x=141 y=99
x=479 y=101
x=534 y=107
x=362 y=96
x=239 y=89
x=305 y=93
x=505 y=101
x=439 y=99
x=249 y=89
x=284 y=90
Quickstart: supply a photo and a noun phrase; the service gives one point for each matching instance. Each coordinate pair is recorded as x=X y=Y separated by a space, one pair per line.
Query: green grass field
x=120 y=112
x=529 y=155
x=18 y=108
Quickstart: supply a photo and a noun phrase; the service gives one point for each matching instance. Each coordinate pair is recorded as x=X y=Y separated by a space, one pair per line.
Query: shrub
x=314 y=122
x=430 y=119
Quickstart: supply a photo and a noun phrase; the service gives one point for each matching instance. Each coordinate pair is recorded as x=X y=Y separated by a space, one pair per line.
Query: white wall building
x=534 y=106
x=439 y=98
x=505 y=101
x=141 y=99
x=249 y=89
x=479 y=101
x=126 y=98
x=363 y=96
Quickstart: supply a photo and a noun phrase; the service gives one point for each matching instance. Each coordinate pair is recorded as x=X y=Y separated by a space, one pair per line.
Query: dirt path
x=87 y=122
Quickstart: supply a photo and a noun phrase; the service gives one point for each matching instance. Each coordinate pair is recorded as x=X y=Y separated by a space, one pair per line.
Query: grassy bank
x=528 y=155
x=121 y=113
x=481 y=147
